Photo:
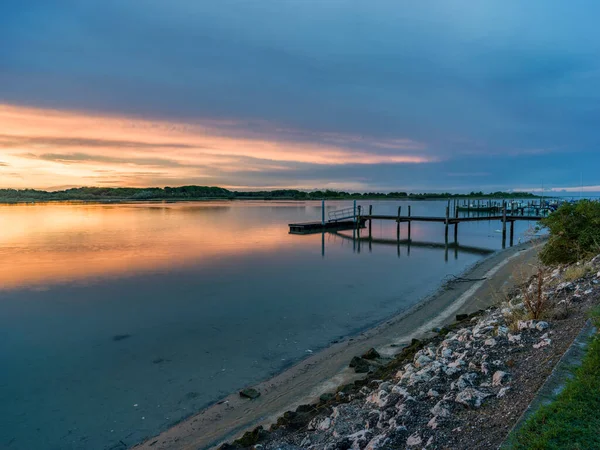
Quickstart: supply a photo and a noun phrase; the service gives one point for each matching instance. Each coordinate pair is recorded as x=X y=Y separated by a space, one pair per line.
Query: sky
x=378 y=95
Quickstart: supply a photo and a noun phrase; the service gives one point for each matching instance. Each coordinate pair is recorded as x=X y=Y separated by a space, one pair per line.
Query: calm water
x=119 y=320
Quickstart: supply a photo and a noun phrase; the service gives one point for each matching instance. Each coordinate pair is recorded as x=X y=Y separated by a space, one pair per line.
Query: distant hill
x=212 y=192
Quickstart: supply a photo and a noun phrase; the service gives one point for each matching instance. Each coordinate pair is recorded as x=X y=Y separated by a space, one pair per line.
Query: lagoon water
x=119 y=320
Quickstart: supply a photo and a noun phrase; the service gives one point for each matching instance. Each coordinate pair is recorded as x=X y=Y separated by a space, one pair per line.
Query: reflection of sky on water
x=46 y=244
x=212 y=296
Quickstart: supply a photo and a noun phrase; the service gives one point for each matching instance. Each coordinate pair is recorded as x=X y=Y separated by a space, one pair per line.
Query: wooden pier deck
x=451 y=220
x=319 y=227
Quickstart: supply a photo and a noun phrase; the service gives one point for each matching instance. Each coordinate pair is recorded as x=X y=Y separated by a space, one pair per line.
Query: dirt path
x=328 y=369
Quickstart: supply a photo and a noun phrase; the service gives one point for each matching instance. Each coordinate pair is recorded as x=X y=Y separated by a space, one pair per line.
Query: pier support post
x=447 y=219
x=370 y=223
x=355 y=210
x=409 y=224
x=503 y=225
x=358 y=230
x=398 y=223
x=456 y=226
x=323 y=212
x=512 y=232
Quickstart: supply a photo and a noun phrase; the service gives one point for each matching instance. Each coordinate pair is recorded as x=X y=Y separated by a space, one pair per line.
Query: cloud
x=121 y=150
x=82 y=158
x=387 y=95
x=11 y=141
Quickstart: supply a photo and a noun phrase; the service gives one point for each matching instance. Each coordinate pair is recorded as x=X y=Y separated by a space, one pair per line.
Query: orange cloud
x=43 y=148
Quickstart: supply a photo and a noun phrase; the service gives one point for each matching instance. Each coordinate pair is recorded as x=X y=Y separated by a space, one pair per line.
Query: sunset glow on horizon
x=48 y=149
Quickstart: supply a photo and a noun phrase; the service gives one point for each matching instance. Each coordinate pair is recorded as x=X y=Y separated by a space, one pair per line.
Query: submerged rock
x=120 y=337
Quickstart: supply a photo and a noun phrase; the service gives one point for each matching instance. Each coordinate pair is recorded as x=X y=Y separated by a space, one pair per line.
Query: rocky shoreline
x=463 y=388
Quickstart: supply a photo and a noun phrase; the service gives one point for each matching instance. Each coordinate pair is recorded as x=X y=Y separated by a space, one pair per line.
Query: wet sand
x=324 y=371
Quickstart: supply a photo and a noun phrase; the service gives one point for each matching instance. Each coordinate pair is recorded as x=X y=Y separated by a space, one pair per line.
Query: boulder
x=440 y=410
x=360 y=365
x=371 y=354
x=433 y=423
x=414 y=440
x=250 y=393
x=566 y=286
x=464 y=381
x=514 y=338
x=326 y=397
x=422 y=360
x=502 y=392
x=491 y=342
x=500 y=378
x=471 y=397
x=524 y=324
x=545 y=341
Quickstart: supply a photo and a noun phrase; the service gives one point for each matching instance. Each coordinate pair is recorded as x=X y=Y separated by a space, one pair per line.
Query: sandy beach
x=325 y=370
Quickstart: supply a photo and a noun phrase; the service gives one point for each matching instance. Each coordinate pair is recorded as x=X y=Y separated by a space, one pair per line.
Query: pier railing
x=341 y=214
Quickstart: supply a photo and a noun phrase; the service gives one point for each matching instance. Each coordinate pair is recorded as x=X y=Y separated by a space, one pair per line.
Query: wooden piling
x=398 y=223
x=370 y=223
x=503 y=224
x=409 y=224
x=456 y=226
x=447 y=220
x=512 y=232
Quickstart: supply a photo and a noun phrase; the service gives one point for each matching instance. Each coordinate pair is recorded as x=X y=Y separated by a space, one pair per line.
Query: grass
x=576 y=272
x=572 y=421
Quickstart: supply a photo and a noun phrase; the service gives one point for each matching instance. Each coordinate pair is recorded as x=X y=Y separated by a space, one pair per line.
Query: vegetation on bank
x=572 y=421
x=211 y=192
x=574 y=233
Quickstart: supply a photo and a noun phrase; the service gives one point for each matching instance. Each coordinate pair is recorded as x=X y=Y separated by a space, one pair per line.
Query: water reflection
x=357 y=239
x=213 y=296
x=62 y=243
x=59 y=243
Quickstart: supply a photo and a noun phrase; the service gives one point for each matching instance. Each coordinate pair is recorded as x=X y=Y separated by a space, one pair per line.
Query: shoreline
x=4 y=201
x=326 y=370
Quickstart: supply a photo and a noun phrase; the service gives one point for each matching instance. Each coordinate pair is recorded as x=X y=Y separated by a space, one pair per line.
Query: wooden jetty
x=449 y=220
x=353 y=218
x=342 y=219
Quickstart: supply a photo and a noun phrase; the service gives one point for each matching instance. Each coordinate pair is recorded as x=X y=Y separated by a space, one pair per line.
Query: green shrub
x=574 y=232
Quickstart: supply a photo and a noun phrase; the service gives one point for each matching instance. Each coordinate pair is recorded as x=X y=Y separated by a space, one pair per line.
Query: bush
x=574 y=232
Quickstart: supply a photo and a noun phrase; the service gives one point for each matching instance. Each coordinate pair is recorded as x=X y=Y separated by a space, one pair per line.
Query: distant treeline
x=209 y=192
